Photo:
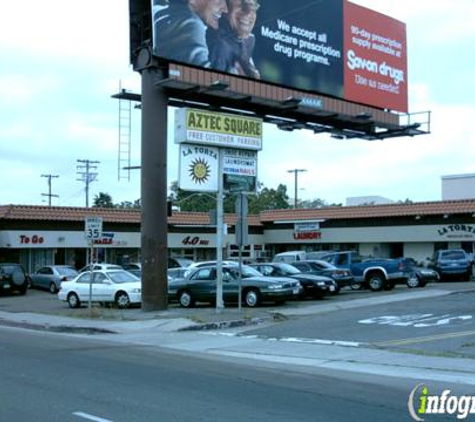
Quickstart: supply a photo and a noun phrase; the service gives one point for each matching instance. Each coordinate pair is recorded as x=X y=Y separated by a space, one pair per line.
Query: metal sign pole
x=91 y=263
x=219 y=236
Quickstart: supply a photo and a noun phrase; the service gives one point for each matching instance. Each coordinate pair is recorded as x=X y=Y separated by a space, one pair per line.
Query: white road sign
x=93 y=228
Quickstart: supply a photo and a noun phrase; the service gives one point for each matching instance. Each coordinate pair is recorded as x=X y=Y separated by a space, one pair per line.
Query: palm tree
x=103 y=200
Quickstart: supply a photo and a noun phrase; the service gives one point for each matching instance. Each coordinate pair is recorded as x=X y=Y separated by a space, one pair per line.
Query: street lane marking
x=91 y=417
x=288 y=339
x=416 y=320
x=424 y=339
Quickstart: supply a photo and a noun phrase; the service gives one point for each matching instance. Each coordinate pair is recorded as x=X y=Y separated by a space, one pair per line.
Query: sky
x=61 y=62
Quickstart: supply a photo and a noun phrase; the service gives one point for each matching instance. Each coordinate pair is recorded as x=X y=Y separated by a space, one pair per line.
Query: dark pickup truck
x=373 y=273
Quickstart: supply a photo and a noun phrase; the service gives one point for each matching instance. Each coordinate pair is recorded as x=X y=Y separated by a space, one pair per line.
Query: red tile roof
x=116 y=215
x=373 y=211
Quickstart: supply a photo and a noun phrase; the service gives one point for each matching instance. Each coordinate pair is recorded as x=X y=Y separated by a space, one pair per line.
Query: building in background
x=354 y=201
x=458 y=186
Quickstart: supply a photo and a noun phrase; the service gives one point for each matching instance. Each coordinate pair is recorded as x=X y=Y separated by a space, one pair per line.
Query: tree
x=191 y=201
x=264 y=199
x=103 y=200
x=269 y=199
x=136 y=205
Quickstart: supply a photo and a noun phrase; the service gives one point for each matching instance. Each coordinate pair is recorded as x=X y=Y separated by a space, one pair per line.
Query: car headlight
x=275 y=286
x=321 y=283
x=137 y=290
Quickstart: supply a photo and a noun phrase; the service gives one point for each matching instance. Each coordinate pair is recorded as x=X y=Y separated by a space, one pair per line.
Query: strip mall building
x=39 y=235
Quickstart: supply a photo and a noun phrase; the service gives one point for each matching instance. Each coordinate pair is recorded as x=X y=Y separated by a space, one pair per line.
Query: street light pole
x=296 y=172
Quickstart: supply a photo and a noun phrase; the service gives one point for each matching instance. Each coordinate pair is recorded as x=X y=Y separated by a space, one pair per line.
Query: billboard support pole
x=219 y=235
x=154 y=224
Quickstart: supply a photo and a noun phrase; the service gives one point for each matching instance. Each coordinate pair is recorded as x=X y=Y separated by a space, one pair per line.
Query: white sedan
x=113 y=286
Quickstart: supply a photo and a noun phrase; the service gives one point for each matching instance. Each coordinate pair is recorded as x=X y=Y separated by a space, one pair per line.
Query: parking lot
x=40 y=301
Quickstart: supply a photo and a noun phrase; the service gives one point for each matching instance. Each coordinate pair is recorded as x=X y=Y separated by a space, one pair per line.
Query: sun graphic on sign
x=199 y=171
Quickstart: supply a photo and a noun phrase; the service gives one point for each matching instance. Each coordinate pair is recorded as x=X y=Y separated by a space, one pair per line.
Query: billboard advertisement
x=376 y=62
x=325 y=47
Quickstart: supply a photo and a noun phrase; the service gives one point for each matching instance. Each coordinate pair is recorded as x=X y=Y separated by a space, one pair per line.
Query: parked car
x=133 y=267
x=51 y=276
x=101 y=266
x=108 y=286
x=451 y=263
x=417 y=275
x=200 y=286
x=176 y=262
x=293 y=256
x=13 y=278
x=177 y=273
x=201 y=264
x=290 y=256
x=342 y=277
x=374 y=273
x=315 y=286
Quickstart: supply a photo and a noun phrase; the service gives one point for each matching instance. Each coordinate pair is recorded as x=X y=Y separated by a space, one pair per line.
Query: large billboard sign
x=329 y=47
x=376 y=62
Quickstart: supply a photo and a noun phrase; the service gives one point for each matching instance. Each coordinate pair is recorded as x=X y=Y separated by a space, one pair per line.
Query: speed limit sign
x=93 y=228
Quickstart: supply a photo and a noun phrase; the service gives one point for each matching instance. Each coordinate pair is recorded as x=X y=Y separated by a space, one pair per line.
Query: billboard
x=329 y=47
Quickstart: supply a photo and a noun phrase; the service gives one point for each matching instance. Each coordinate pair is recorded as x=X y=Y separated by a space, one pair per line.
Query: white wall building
x=458 y=186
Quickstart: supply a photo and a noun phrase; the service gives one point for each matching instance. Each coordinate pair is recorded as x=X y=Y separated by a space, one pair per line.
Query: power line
x=84 y=169
x=49 y=194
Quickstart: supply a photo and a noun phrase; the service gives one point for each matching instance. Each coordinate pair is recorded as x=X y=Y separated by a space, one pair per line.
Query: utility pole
x=296 y=172
x=49 y=194
x=87 y=176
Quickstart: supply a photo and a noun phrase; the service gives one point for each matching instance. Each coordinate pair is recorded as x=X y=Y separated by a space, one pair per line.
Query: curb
x=229 y=324
x=57 y=328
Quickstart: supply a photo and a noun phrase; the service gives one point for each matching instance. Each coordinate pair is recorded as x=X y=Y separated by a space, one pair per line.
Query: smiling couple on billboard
x=214 y=34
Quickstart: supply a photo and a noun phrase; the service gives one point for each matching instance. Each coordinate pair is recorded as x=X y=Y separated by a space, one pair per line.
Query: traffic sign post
x=93 y=231
x=241 y=206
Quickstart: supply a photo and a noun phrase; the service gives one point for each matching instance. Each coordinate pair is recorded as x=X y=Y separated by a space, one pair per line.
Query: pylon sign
x=218 y=129
x=198 y=168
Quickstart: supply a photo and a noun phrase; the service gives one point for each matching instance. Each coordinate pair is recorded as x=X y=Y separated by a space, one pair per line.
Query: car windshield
x=122 y=277
x=66 y=271
x=322 y=265
x=246 y=272
x=289 y=269
x=8 y=269
x=453 y=255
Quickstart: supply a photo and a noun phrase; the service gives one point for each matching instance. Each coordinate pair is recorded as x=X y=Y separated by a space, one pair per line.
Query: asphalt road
x=442 y=326
x=51 y=378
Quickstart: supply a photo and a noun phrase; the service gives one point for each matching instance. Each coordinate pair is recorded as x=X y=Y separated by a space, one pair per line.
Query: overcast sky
x=61 y=61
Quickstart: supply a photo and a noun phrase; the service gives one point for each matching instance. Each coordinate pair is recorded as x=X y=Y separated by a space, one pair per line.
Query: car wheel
x=376 y=282
x=122 y=300
x=186 y=299
x=52 y=288
x=252 y=297
x=73 y=300
x=22 y=289
x=356 y=286
x=413 y=281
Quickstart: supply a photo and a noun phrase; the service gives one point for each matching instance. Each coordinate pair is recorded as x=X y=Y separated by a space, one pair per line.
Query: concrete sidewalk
x=205 y=331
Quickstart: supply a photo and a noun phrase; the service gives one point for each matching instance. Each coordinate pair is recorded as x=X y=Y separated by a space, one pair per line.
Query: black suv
x=13 y=278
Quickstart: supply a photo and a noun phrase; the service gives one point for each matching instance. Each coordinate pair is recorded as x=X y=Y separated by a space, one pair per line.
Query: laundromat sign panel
x=218 y=129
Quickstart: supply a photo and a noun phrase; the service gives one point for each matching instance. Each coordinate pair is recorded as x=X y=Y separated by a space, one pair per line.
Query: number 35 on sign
x=93 y=228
